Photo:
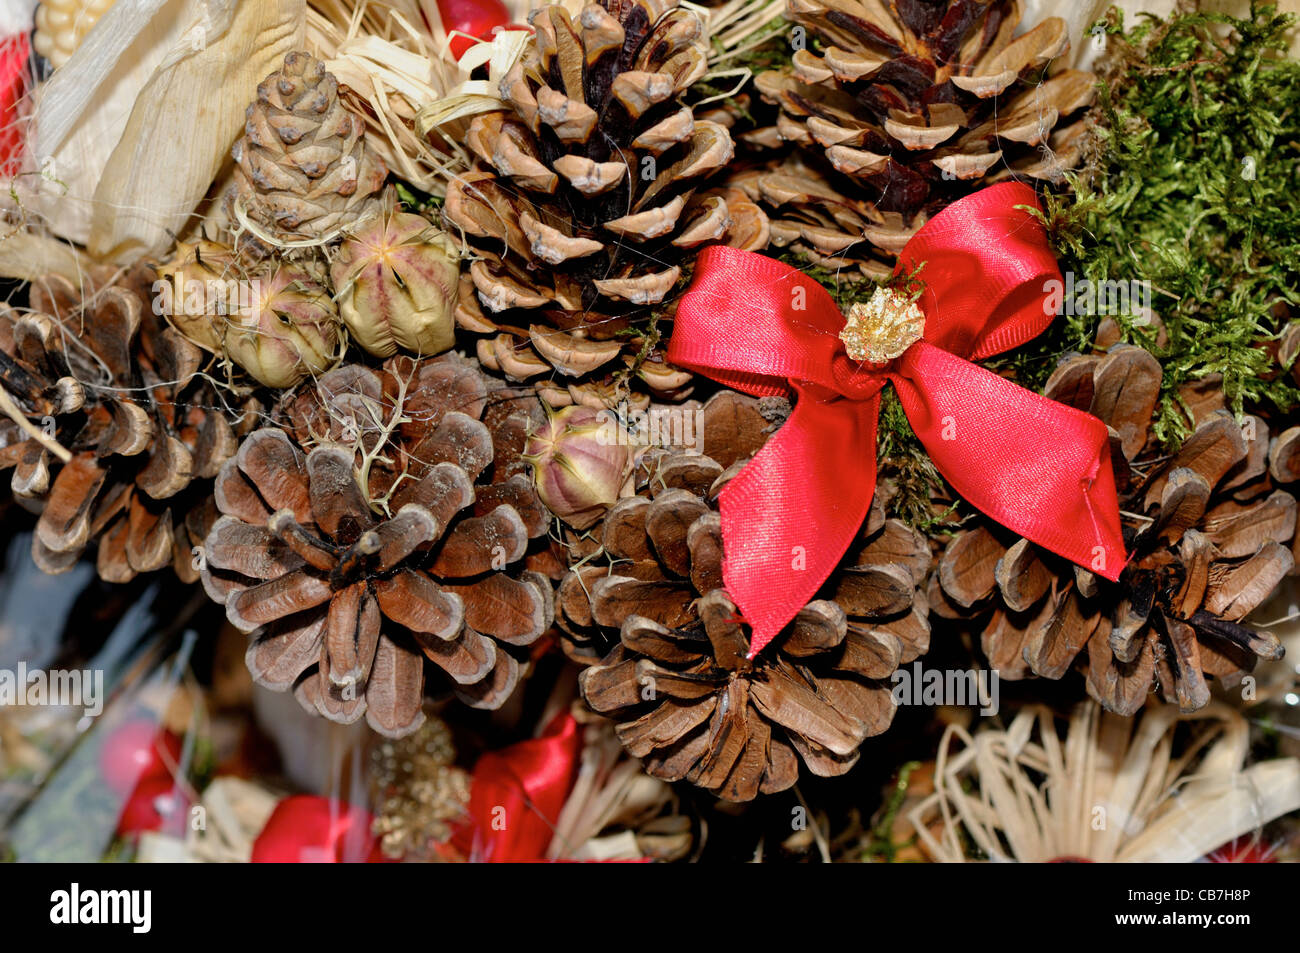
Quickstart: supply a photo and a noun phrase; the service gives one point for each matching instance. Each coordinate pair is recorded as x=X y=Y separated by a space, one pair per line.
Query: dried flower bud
x=582 y=463
x=396 y=278
x=289 y=332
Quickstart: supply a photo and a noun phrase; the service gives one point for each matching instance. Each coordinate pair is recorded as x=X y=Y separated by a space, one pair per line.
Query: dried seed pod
x=199 y=290
x=582 y=463
x=280 y=326
x=290 y=332
x=396 y=279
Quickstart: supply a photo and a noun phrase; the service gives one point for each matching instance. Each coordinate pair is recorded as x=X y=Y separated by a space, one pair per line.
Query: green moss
x=880 y=846
x=1194 y=189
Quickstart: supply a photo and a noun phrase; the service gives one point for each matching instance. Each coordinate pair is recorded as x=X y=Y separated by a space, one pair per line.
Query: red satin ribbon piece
x=1040 y=468
x=517 y=793
x=14 y=53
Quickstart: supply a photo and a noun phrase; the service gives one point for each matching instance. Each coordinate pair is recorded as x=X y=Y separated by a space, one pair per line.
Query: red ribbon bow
x=1038 y=467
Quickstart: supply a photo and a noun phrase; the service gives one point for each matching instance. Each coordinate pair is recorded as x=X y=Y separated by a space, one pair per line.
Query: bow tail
x=1037 y=467
x=518 y=793
x=786 y=524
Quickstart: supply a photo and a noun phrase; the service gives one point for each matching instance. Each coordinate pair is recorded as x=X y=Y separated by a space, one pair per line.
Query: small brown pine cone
x=356 y=592
x=1208 y=535
x=302 y=165
x=403 y=416
x=590 y=195
x=905 y=107
x=677 y=681
x=100 y=374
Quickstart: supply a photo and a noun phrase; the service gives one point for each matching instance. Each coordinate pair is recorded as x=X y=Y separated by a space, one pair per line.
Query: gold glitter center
x=883 y=328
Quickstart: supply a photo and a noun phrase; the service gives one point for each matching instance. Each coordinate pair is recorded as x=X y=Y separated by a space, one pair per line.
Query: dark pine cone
x=354 y=592
x=905 y=107
x=107 y=379
x=588 y=198
x=1206 y=530
x=677 y=681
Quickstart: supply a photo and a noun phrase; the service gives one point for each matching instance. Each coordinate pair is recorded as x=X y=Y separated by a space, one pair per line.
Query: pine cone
x=1206 y=530
x=102 y=376
x=354 y=589
x=688 y=701
x=302 y=165
x=904 y=108
x=587 y=201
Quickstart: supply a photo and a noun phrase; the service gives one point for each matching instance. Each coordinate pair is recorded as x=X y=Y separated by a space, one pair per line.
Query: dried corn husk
x=28 y=255
x=134 y=127
x=1112 y=789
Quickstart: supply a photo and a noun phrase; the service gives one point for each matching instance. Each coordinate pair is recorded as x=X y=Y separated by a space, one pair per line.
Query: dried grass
x=1109 y=789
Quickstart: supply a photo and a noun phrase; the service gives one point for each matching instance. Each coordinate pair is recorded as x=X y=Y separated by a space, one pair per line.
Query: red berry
x=156 y=804
x=137 y=750
x=306 y=829
x=474 y=17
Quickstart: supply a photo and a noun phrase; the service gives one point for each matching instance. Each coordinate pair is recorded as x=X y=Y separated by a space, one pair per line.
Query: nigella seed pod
x=582 y=463
x=279 y=328
x=396 y=278
x=289 y=332
x=198 y=290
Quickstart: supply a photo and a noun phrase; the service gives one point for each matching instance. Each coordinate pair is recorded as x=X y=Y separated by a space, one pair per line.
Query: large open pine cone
x=906 y=106
x=302 y=168
x=104 y=377
x=587 y=200
x=353 y=592
x=677 y=680
x=1206 y=531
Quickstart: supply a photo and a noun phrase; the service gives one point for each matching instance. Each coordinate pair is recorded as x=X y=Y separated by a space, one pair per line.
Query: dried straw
x=611 y=791
x=1109 y=789
x=394 y=58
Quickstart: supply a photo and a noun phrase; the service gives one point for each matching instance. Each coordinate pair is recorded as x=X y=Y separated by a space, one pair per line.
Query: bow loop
x=768 y=323
x=986 y=273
